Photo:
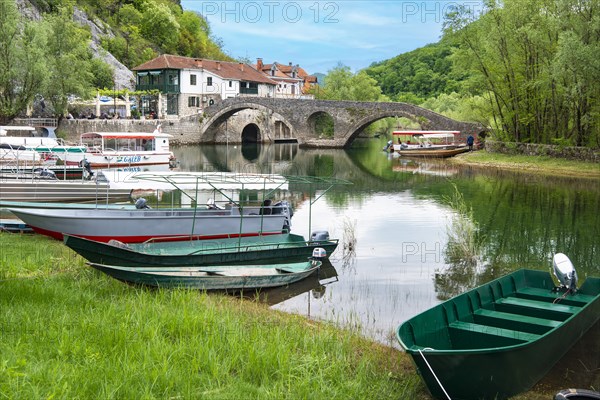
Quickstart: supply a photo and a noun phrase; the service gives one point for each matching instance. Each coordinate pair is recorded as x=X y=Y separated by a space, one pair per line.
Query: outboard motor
x=565 y=273
x=141 y=204
x=319 y=236
x=388 y=145
x=319 y=255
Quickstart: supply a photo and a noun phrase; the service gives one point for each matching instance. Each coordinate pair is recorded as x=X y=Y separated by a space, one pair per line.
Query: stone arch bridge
x=295 y=120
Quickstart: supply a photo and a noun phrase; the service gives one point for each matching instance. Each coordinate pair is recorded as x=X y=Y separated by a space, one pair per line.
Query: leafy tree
x=160 y=25
x=68 y=59
x=22 y=70
x=342 y=84
x=104 y=74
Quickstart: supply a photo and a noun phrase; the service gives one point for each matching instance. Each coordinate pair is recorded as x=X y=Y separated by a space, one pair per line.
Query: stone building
x=292 y=80
x=187 y=85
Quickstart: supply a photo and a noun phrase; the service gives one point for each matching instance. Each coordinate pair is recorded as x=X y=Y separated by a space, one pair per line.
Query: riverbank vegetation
x=537 y=165
x=72 y=332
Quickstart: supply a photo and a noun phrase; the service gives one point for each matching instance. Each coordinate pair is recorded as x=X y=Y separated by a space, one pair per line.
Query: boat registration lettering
x=129 y=159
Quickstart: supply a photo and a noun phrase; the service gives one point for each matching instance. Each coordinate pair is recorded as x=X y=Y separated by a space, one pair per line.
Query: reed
x=68 y=331
x=464 y=240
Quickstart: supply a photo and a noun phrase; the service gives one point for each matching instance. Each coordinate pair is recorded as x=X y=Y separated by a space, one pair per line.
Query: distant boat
x=431 y=144
x=432 y=152
x=272 y=248
x=213 y=278
x=499 y=339
x=26 y=145
x=123 y=149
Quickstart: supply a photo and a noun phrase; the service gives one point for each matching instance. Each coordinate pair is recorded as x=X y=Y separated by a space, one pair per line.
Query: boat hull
x=431 y=153
x=207 y=278
x=119 y=159
x=272 y=249
x=499 y=339
x=135 y=226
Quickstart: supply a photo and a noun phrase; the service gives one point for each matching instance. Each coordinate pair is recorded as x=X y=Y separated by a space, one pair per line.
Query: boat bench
x=492 y=331
x=535 y=308
x=517 y=322
x=576 y=299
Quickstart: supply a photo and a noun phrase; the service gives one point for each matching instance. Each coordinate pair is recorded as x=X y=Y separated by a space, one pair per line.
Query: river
x=394 y=222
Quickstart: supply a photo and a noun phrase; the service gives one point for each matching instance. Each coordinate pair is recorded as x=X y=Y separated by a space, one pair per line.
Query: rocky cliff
x=124 y=78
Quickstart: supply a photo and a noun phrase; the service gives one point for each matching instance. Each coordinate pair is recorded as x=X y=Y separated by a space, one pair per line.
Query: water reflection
x=315 y=284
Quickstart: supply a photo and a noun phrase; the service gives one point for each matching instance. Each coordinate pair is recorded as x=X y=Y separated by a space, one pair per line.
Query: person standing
x=470 y=141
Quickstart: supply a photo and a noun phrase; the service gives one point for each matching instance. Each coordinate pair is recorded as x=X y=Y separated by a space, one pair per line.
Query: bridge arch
x=210 y=132
x=353 y=132
x=321 y=124
x=251 y=134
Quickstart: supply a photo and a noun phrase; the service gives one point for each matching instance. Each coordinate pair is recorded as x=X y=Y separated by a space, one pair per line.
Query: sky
x=318 y=35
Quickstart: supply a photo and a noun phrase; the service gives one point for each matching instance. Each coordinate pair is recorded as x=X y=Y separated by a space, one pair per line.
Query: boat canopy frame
x=269 y=182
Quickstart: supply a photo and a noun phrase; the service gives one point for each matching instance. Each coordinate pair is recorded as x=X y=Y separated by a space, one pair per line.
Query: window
x=230 y=83
x=193 y=80
x=209 y=81
x=193 y=101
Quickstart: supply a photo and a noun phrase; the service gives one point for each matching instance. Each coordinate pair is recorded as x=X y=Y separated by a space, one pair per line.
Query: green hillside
x=419 y=74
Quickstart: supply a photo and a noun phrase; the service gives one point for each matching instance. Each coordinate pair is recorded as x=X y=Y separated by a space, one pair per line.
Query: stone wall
x=530 y=149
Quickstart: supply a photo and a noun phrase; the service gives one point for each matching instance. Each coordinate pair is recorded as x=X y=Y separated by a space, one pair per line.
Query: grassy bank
x=68 y=331
x=530 y=164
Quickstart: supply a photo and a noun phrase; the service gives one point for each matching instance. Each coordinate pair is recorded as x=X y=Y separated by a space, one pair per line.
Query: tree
x=342 y=84
x=68 y=58
x=22 y=71
x=160 y=26
x=536 y=61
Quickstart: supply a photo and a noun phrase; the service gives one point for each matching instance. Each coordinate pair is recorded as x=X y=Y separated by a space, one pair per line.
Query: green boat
x=214 y=278
x=499 y=339
x=271 y=248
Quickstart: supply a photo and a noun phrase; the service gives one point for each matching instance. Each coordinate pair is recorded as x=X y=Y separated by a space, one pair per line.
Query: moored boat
x=432 y=152
x=431 y=144
x=272 y=248
x=499 y=339
x=140 y=225
x=119 y=149
x=213 y=278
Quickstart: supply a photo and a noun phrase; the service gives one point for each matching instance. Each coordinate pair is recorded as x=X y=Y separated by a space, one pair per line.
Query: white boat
x=123 y=149
x=232 y=219
x=411 y=142
x=25 y=146
x=140 y=225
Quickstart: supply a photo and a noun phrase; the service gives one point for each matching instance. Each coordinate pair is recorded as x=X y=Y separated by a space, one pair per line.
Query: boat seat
x=534 y=308
x=493 y=331
x=514 y=321
x=576 y=299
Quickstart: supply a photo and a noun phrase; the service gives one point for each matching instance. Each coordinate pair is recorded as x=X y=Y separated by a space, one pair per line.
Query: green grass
x=543 y=165
x=68 y=331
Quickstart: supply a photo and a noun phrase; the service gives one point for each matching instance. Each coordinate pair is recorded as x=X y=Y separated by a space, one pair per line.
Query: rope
x=433 y=373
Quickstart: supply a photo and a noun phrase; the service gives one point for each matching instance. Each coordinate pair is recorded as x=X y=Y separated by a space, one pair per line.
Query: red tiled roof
x=224 y=69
